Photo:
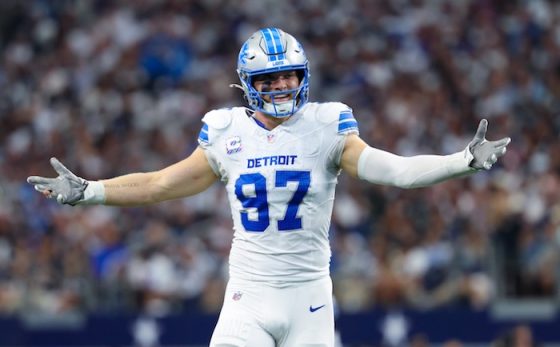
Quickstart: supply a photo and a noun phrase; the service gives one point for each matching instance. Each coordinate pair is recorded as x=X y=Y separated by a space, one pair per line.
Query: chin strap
x=234 y=85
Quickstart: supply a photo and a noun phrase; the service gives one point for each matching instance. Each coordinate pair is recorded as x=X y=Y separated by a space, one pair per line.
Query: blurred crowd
x=111 y=87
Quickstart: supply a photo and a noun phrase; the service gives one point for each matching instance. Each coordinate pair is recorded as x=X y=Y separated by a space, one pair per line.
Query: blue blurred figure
x=165 y=58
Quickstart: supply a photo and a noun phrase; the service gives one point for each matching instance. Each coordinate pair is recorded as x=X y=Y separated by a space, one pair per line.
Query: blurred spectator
x=453 y=343
x=519 y=336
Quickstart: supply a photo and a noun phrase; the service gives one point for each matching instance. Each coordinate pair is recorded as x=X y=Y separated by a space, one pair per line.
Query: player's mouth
x=282 y=98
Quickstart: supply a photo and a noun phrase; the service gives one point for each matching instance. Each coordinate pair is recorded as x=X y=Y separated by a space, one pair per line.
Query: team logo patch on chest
x=233 y=145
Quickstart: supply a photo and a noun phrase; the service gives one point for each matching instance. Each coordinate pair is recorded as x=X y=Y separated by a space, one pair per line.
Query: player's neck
x=269 y=122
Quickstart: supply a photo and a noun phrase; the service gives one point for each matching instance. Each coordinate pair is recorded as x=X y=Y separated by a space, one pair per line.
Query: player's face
x=277 y=81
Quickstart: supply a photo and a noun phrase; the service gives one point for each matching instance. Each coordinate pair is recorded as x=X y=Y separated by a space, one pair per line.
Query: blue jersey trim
x=344 y=115
x=203 y=135
x=346 y=122
x=345 y=127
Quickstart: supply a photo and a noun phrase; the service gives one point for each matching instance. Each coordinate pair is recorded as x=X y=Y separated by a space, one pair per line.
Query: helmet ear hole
x=300 y=74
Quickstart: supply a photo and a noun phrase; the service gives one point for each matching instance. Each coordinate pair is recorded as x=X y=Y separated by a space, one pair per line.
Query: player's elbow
x=401 y=180
x=158 y=189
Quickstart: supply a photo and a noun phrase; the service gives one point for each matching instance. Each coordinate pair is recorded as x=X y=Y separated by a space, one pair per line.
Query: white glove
x=67 y=188
x=485 y=152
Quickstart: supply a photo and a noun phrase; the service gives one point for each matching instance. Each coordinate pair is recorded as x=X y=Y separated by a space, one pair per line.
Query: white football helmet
x=267 y=51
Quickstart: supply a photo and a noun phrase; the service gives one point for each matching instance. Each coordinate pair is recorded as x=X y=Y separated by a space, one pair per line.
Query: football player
x=279 y=160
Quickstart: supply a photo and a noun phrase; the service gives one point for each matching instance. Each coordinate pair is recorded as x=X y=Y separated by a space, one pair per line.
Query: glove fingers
x=61 y=199
x=59 y=168
x=40 y=180
x=41 y=188
x=502 y=142
x=501 y=152
x=46 y=191
x=481 y=131
x=491 y=161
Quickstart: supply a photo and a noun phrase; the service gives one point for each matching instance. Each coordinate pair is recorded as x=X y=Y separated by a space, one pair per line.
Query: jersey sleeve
x=340 y=122
x=347 y=124
x=214 y=123
x=203 y=139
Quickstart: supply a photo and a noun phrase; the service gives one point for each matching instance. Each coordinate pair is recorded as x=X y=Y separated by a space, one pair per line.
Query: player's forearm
x=129 y=190
x=185 y=178
x=382 y=167
x=134 y=189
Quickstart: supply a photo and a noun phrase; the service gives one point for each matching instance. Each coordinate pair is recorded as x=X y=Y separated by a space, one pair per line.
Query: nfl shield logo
x=236 y=296
x=270 y=138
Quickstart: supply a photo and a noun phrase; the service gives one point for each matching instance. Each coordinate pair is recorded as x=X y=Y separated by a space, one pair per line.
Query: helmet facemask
x=258 y=100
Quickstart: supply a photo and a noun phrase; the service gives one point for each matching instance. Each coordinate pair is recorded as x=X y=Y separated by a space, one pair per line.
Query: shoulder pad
x=340 y=116
x=214 y=122
x=329 y=112
x=218 y=119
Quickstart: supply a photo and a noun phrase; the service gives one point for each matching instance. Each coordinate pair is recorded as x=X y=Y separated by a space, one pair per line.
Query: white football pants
x=260 y=315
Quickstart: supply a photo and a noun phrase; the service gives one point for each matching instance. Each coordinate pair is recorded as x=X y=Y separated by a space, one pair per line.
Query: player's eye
x=264 y=78
x=289 y=74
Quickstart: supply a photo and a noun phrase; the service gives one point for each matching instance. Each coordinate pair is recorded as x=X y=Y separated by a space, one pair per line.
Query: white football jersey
x=281 y=185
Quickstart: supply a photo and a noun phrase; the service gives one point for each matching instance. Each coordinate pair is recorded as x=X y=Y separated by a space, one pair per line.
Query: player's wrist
x=460 y=162
x=94 y=194
x=473 y=161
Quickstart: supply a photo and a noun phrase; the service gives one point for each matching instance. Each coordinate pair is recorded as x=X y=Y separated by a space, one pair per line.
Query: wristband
x=94 y=194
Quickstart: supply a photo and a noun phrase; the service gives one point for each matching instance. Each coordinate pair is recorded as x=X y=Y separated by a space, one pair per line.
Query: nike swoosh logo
x=313 y=309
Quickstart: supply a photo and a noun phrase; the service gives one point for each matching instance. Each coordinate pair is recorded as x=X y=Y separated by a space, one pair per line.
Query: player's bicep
x=353 y=148
x=187 y=177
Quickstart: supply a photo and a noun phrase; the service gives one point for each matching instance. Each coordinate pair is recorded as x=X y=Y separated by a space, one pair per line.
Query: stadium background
x=111 y=87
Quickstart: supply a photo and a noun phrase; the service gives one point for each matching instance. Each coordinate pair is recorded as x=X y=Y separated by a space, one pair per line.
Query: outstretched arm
x=185 y=178
x=381 y=167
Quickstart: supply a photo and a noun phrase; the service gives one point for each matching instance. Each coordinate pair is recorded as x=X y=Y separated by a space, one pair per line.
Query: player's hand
x=67 y=188
x=485 y=152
